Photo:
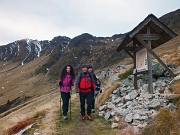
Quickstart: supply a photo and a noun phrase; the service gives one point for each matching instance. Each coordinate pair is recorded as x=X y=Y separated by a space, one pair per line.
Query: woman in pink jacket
x=65 y=81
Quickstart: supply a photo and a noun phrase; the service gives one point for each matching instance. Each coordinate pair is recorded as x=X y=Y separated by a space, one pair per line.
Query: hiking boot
x=92 y=111
x=83 y=118
x=65 y=118
x=89 y=118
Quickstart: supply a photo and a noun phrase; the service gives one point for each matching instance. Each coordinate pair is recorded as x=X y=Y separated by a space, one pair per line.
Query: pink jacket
x=67 y=82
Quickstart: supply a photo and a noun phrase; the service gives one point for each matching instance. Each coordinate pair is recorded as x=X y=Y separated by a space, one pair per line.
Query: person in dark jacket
x=97 y=82
x=84 y=87
x=66 y=81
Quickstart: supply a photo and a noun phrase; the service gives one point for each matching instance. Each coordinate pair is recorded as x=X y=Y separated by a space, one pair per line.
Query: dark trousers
x=65 y=98
x=93 y=101
x=86 y=96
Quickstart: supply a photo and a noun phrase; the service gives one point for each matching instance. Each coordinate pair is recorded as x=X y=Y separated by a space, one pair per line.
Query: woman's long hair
x=64 y=72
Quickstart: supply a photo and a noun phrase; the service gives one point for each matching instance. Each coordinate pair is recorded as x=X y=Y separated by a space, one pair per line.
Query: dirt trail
x=82 y=129
x=49 y=124
x=49 y=103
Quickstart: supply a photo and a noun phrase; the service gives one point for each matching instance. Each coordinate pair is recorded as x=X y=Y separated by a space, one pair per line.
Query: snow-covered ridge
x=28 y=49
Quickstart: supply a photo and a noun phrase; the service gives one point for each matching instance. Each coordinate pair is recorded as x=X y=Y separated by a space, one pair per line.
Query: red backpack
x=85 y=82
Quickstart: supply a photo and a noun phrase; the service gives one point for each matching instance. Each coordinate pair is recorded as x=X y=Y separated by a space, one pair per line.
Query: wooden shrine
x=140 y=42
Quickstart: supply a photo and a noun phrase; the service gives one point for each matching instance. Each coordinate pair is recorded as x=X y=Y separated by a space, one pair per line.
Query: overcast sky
x=45 y=19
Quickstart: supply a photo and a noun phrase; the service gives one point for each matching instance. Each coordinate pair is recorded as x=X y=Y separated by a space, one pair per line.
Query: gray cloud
x=44 y=19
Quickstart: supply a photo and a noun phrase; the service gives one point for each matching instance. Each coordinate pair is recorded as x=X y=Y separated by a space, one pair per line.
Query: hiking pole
x=97 y=102
x=60 y=108
x=70 y=106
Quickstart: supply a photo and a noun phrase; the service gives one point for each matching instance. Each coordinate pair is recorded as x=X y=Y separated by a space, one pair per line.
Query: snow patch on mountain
x=6 y=50
x=74 y=56
x=22 y=63
x=38 y=47
x=28 y=47
x=11 y=49
x=18 y=48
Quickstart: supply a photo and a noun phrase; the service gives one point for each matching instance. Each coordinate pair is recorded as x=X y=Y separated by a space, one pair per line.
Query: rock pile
x=137 y=106
x=110 y=71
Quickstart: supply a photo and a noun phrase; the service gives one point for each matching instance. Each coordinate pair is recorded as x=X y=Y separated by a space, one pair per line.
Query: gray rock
x=154 y=103
x=117 y=100
x=177 y=70
x=129 y=118
x=113 y=98
x=120 y=104
x=123 y=89
x=112 y=113
x=101 y=113
x=127 y=97
x=145 y=87
x=102 y=107
x=158 y=70
x=107 y=116
x=122 y=112
x=109 y=105
x=114 y=125
x=133 y=95
x=171 y=106
x=115 y=91
x=137 y=117
x=116 y=118
x=166 y=91
x=123 y=93
x=136 y=129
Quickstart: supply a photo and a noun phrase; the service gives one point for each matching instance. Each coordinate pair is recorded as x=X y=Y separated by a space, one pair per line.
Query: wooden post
x=149 y=59
x=135 y=75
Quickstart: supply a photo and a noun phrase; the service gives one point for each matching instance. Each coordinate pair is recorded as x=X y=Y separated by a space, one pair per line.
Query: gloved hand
x=77 y=90
x=60 y=83
x=70 y=82
x=96 y=92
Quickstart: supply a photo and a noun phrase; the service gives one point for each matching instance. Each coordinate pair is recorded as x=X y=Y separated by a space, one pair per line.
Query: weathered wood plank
x=149 y=36
x=149 y=59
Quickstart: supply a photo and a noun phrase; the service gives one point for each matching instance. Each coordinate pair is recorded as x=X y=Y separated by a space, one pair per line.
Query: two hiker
x=85 y=88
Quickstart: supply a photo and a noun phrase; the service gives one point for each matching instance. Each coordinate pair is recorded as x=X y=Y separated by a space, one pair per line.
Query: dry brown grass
x=124 y=74
x=176 y=87
x=173 y=57
x=169 y=51
x=178 y=106
x=104 y=96
x=165 y=123
x=19 y=126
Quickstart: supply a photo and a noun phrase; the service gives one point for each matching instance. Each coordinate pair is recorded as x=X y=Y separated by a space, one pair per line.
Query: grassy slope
x=21 y=81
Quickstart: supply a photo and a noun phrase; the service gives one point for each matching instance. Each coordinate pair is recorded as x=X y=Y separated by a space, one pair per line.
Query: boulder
x=102 y=107
x=129 y=118
x=114 y=125
x=107 y=115
x=154 y=104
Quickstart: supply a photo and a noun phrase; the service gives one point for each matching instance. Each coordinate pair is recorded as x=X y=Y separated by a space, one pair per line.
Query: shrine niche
x=140 y=42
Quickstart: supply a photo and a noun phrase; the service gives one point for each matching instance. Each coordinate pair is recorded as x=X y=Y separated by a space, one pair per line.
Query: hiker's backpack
x=85 y=82
x=98 y=85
